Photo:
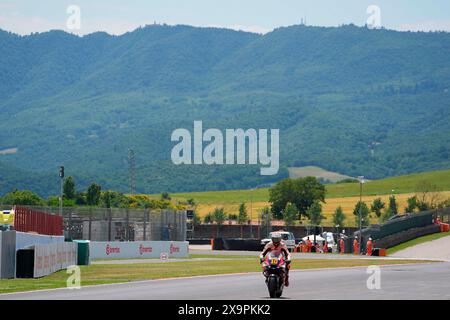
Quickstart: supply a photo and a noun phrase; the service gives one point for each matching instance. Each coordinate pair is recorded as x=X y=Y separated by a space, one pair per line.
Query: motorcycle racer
x=276 y=244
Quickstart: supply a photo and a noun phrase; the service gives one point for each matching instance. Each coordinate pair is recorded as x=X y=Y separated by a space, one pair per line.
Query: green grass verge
x=400 y=184
x=116 y=273
x=417 y=241
x=191 y=256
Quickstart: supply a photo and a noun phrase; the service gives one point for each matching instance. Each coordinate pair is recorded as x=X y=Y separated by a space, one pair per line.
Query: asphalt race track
x=421 y=281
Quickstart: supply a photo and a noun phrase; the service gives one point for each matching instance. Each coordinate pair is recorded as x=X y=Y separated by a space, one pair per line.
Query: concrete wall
x=7 y=254
x=24 y=240
x=52 y=257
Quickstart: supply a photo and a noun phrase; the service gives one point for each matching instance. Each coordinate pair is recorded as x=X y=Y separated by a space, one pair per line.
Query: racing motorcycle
x=274 y=269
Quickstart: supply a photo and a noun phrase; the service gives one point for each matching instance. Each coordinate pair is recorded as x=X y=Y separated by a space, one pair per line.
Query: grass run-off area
x=117 y=273
x=417 y=241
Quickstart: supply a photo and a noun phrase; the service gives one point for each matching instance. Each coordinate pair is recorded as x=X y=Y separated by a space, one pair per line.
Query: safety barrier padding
x=398 y=238
x=137 y=249
x=403 y=223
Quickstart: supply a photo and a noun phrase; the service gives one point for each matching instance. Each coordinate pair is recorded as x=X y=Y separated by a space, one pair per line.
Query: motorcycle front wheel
x=272 y=285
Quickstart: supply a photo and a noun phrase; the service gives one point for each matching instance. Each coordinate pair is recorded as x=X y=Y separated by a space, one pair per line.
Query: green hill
x=348 y=99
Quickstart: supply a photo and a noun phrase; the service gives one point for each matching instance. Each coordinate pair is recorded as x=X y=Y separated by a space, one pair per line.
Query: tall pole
x=61 y=175
x=251 y=213
x=361 y=180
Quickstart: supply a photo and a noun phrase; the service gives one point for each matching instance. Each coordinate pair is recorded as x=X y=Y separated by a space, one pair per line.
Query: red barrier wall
x=27 y=220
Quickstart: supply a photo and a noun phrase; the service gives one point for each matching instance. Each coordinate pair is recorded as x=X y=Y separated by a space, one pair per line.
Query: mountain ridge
x=332 y=92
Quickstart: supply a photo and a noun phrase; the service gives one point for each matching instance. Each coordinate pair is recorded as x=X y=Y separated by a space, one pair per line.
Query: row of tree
x=93 y=196
x=292 y=199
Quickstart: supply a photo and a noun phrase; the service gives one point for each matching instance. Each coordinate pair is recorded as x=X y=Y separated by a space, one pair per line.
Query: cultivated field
x=347 y=204
x=346 y=195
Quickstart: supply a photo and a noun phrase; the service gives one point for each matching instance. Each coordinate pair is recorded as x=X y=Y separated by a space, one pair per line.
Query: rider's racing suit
x=280 y=248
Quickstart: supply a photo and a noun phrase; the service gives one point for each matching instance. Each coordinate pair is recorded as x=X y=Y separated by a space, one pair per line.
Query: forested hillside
x=347 y=99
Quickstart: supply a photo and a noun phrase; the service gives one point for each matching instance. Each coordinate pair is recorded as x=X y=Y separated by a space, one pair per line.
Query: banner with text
x=138 y=249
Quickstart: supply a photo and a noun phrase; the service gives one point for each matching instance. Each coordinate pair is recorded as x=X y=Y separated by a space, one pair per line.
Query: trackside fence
x=103 y=224
x=29 y=220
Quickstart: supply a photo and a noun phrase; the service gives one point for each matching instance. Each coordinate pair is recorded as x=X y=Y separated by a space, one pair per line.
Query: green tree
x=266 y=220
x=338 y=217
x=191 y=202
x=196 y=220
x=25 y=197
x=208 y=218
x=412 y=204
x=106 y=198
x=393 y=206
x=290 y=214
x=219 y=217
x=243 y=216
x=302 y=192
x=377 y=206
x=315 y=214
x=93 y=194
x=165 y=196
x=69 y=188
x=387 y=215
x=428 y=195
x=80 y=198
x=361 y=209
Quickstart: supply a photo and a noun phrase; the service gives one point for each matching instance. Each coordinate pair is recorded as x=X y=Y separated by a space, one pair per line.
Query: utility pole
x=251 y=213
x=131 y=164
x=61 y=175
x=361 y=181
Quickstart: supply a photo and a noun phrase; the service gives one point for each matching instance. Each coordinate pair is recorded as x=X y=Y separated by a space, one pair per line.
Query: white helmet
x=276 y=238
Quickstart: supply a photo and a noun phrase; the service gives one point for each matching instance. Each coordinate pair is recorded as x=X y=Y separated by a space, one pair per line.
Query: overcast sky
x=117 y=17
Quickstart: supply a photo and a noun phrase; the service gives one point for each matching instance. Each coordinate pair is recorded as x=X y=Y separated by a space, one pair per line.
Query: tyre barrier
x=236 y=244
x=199 y=241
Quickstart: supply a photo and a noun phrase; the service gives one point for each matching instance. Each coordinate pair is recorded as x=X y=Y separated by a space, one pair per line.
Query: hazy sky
x=117 y=17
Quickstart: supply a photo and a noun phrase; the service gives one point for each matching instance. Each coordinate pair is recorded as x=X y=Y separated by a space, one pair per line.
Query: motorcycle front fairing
x=274 y=264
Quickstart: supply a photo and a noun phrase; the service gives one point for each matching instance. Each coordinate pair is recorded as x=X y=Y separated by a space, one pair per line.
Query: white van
x=287 y=237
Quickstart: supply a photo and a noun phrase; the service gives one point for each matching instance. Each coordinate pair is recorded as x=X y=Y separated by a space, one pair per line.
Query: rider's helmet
x=276 y=239
x=370 y=239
